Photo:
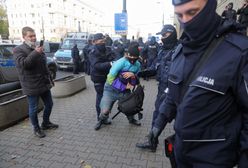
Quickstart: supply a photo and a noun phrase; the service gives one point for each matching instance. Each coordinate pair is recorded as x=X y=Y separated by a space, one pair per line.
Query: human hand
x=127 y=75
x=129 y=86
x=39 y=49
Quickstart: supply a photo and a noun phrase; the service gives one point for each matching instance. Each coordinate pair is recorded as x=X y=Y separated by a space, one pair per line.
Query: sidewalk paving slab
x=75 y=144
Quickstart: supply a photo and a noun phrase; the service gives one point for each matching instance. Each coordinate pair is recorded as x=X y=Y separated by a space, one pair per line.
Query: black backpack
x=132 y=103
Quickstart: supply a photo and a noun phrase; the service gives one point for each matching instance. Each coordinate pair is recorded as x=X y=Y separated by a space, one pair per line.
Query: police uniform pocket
x=174 y=86
x=204 y=135
x=215 y=141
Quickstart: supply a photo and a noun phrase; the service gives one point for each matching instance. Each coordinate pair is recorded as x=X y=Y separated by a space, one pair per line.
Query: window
x=54 y=47
x=6 y=52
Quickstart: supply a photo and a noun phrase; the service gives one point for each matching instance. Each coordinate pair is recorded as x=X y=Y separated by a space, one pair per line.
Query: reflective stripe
x=209 y=89
x=203 y=140
x=173 y=81
x=246 y=87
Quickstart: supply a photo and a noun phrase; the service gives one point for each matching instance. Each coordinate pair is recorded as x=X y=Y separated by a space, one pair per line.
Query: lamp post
x=160 y=3
x=124 y=10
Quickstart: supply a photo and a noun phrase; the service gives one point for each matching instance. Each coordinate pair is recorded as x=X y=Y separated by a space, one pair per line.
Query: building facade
x=52 y=19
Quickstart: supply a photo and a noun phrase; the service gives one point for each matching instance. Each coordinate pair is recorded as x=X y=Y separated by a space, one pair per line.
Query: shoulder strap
x=209 y=51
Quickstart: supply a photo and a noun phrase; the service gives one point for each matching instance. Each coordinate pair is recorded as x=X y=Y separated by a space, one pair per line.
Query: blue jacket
x=213 y=114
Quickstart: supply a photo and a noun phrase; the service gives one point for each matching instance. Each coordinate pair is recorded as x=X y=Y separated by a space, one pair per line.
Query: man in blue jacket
x=211 y=110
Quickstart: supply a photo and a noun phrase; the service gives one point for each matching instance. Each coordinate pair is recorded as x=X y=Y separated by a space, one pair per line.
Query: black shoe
x=147 y=145
x=39 y=133
x=134 y=122
x=49 y=125
x=98 y=125
x=107 y=121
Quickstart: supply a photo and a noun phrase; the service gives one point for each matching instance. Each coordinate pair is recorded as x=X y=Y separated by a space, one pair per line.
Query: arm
x=96 y=63
x=25 y=61
x=242 y=94
x=167 y=112
x=115 y=69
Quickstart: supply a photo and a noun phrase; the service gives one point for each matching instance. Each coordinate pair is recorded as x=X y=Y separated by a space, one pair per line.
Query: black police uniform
x=151 y=50
x=99 y=66
x=86 y=50
x=76 y=59
x=211 y=118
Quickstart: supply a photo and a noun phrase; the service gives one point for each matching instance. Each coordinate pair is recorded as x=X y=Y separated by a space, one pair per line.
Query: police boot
x=150 y=143
x=133 y=121
x=102 y=118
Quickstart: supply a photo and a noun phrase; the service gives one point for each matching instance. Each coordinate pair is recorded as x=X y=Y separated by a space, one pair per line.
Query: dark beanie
x=133 y=49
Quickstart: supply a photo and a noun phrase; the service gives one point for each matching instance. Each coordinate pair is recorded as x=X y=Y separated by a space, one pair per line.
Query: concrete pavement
x=75 y=144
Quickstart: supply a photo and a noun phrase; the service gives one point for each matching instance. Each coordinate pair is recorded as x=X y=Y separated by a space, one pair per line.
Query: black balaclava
x=101 y=47
x=170 y=41
x=199 y=31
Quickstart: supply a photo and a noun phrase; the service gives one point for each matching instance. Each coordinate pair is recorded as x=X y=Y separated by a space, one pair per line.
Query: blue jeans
x=33 y=102
x=110 y=96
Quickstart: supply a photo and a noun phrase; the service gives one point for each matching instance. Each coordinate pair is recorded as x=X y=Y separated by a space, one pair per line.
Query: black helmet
x=179 y=2
x=167 y=28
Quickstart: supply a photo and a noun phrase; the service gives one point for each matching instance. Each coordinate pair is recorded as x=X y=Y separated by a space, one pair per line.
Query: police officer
x=211 y=110
x=151 y=49
x=100 y=63
x=118 y=49
x=162 y=63
x=76 y=59
x=86 y=51
x=229 y=13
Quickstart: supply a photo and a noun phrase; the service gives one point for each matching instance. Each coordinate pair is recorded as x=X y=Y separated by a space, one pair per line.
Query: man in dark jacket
x=35 y=80
x=243 y=16
x=76 y=59
x=100 y=63
x=229 y=13
x=86 y=51
x=210 y=102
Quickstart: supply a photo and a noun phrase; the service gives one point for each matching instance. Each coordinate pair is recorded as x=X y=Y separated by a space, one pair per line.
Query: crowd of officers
x=202 y=84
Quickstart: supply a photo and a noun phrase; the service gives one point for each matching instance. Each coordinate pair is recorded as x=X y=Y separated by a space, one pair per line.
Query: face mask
x=169 y=41
x=101 y=47
x=30 y=43
x=132 y=60
x=201 y=23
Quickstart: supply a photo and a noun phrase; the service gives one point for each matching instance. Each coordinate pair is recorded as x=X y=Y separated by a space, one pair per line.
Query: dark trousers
x=160 y=97
x=99 y=87
x=87 y=67
x=76 y=67
x=33 y=102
